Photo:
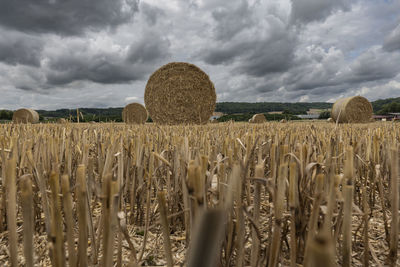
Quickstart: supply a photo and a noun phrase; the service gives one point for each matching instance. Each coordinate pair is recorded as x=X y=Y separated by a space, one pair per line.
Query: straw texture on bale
x=25 y=115
x=356 y=109
x=134 y=113
x=258 y=118
x=180 y=93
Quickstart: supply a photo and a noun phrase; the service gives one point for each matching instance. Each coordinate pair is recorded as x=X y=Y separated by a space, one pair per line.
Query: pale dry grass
x=113 y=193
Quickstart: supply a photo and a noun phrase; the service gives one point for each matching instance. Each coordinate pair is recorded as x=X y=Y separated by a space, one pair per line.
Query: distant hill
x=264 y=107
x=89 y=114
x=384 y=106
x=381 y=106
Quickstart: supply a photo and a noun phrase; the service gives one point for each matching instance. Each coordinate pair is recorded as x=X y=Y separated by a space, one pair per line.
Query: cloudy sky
x=100 y=53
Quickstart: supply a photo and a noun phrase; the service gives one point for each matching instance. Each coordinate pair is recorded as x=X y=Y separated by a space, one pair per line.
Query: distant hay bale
x=134 y=113
x=25 y=115
x=180 y=93
x=283 y=121
x=329 y=120
x=356 y=109
x=61 y=120
x=258 y=118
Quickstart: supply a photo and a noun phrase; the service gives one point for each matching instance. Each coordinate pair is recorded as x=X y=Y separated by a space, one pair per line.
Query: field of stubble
x=228 y=194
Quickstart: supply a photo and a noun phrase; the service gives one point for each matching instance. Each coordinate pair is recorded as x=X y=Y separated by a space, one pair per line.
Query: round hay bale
x=283 y=121
x=356 y=109
x=61 y=120
x=258 y=118
x=329 y=120
x=25 y=115
x=134 y=113
x=180 y=93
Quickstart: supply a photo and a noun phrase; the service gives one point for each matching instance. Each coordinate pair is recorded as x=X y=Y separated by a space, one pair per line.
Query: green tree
x=288 y=112
x=390 y=108
x=324 y=115
x=6 y=114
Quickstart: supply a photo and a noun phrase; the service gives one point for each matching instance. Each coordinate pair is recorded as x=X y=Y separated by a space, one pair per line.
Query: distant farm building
x=388 y=117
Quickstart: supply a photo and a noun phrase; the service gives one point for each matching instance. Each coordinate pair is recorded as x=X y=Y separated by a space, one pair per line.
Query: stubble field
x=227 y=194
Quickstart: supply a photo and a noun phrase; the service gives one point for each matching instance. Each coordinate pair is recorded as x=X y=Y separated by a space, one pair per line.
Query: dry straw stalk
x=28 y=219
x=11 y=187
x=394 y=233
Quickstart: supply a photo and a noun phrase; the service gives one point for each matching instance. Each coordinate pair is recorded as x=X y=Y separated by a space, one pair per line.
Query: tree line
x=234 y=110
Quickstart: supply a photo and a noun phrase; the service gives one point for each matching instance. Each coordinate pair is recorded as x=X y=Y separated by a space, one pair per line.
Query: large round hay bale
x=258 y=118
x=180 y=93
x=134 y=113
x=25 y=115
x=356 y=109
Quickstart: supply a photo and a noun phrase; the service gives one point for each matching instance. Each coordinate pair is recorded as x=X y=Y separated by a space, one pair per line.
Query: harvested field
x=265 y=194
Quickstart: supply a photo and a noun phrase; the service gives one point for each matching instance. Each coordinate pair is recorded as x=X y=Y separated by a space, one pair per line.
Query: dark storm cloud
x=225 y=54
x=65 y=17
x=374 y=64
x=256 y=45
x=81 y=63
x=27 y=78
x=231 y=20
x=314 y=67
x=17 y=48
x=98 y=70
x=392 y=41
x=269 y=56
x=288 y=63
x=150 y=48
x=304 y=11
x=316 y=72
